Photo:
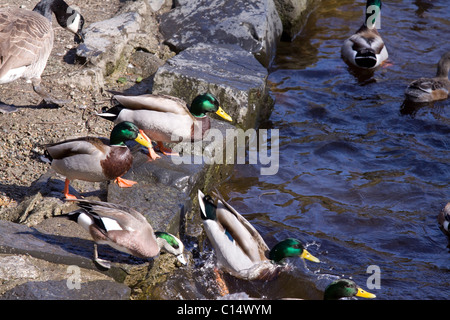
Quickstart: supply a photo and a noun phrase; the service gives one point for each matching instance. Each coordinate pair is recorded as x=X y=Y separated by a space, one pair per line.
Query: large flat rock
x=105 y=40
x=27 y=278
x=254 y=25
x=32 y=259
x=232 y=74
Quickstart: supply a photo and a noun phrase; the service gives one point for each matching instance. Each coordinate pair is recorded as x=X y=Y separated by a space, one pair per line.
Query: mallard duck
x=26 y=40
x=165 y=118
x=240 y=249
x=365 y=49
x=124 y=229
x=96 y=159
x=444 y=219
x=345 y=288
x=431 y=89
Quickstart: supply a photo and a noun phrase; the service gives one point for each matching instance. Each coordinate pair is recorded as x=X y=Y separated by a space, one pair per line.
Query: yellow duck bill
x=364 y=294
x=223 y=114
x=308 y=256
x=143 y=139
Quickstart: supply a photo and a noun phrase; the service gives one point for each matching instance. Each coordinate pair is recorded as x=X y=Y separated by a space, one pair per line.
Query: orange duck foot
x=124 y=183
x=70 y=196
x=386 y=64
x=223 y=289
x=166 y=151
x=66 y=191
x=152 y=154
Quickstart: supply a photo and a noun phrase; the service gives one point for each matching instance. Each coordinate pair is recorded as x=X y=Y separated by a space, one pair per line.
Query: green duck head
x=171 y=244
x=344 y=288
x=290 y=248
x=373 y=13
x=205 y=103
x=125 y=131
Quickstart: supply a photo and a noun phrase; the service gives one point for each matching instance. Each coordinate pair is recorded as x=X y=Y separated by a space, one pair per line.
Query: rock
x=20 y=239
x=24 y=277
x=59 y=290
x=293 y=14
x=254 y=25
x=105 y=40
x=232 y=74
x=38 y=265
x=145 y=63
x=157 y=5
x=130 y=37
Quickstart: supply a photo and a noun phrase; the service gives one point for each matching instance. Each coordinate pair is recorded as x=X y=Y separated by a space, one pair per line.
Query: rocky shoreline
x=43 y=257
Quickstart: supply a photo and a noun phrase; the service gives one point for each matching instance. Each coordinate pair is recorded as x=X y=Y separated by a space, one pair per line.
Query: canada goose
x=26 y=40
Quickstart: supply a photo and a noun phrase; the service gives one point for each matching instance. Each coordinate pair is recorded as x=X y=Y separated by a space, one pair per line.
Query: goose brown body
x=26 y=40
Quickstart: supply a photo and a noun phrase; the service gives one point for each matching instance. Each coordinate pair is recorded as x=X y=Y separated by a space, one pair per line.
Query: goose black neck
x=59 y=7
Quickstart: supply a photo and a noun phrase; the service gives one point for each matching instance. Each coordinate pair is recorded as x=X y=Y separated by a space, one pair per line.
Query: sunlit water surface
x=361 y=177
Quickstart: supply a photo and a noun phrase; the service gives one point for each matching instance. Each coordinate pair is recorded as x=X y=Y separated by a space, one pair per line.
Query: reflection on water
x=362 y=174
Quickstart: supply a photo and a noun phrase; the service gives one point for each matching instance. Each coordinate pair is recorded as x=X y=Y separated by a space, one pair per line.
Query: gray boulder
x=232 y=74
x=254 y=25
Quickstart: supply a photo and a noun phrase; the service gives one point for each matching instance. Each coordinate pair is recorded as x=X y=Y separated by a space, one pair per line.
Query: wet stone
x=293 y=14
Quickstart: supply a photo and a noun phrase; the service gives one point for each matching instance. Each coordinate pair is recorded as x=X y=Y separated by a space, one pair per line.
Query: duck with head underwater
x=26 y=41
x=239 y=248
x=165 y=118
x=124 y=229
x=365 y=49
x=96 y=159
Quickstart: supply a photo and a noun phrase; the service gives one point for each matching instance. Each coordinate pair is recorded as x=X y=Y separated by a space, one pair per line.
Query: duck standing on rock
x=96 y=159
x=365 y=49
x=431 y=89
x=26 y=41
x=165 y=118
x=240 y=249
x=124 y=229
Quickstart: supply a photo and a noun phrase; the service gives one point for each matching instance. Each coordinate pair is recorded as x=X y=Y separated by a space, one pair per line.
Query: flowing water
x=362 y=176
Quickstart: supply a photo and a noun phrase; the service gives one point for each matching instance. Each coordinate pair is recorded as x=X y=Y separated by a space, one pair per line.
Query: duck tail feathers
x=207 y=206
x=72 y=216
